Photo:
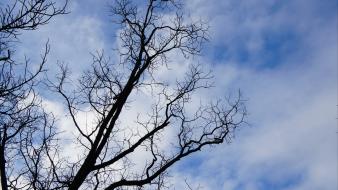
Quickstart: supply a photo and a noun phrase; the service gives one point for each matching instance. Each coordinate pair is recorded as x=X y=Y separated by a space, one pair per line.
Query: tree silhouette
x=148 y=38
x=151 y=35
x=25 y=128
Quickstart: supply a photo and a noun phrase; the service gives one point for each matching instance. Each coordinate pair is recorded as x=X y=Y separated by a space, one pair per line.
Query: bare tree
x=148 y=37
x=174 y=127
x=26 y=132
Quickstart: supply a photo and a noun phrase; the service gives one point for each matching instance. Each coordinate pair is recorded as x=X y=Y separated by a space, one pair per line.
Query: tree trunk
x=3 y=177
x=83 y=172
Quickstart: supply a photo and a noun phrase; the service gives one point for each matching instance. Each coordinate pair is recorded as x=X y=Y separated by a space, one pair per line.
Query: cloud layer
x=281 y=54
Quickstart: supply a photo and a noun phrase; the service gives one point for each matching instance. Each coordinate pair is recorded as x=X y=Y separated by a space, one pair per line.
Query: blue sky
x=283 y=57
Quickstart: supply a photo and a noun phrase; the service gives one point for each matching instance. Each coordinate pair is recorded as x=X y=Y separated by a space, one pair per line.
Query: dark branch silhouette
x=174 y=127
x=147 y=38
x=26 y=130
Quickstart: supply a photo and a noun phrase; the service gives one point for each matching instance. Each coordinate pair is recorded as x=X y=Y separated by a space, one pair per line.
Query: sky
x=282 y=55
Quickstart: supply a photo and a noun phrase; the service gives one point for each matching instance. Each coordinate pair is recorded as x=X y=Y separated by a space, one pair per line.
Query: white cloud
x=72 y=38
x=291 y=142
x=291 y=105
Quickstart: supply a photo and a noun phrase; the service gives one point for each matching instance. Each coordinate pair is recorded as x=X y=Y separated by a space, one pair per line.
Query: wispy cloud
x=281 y=54
x=291 y=90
